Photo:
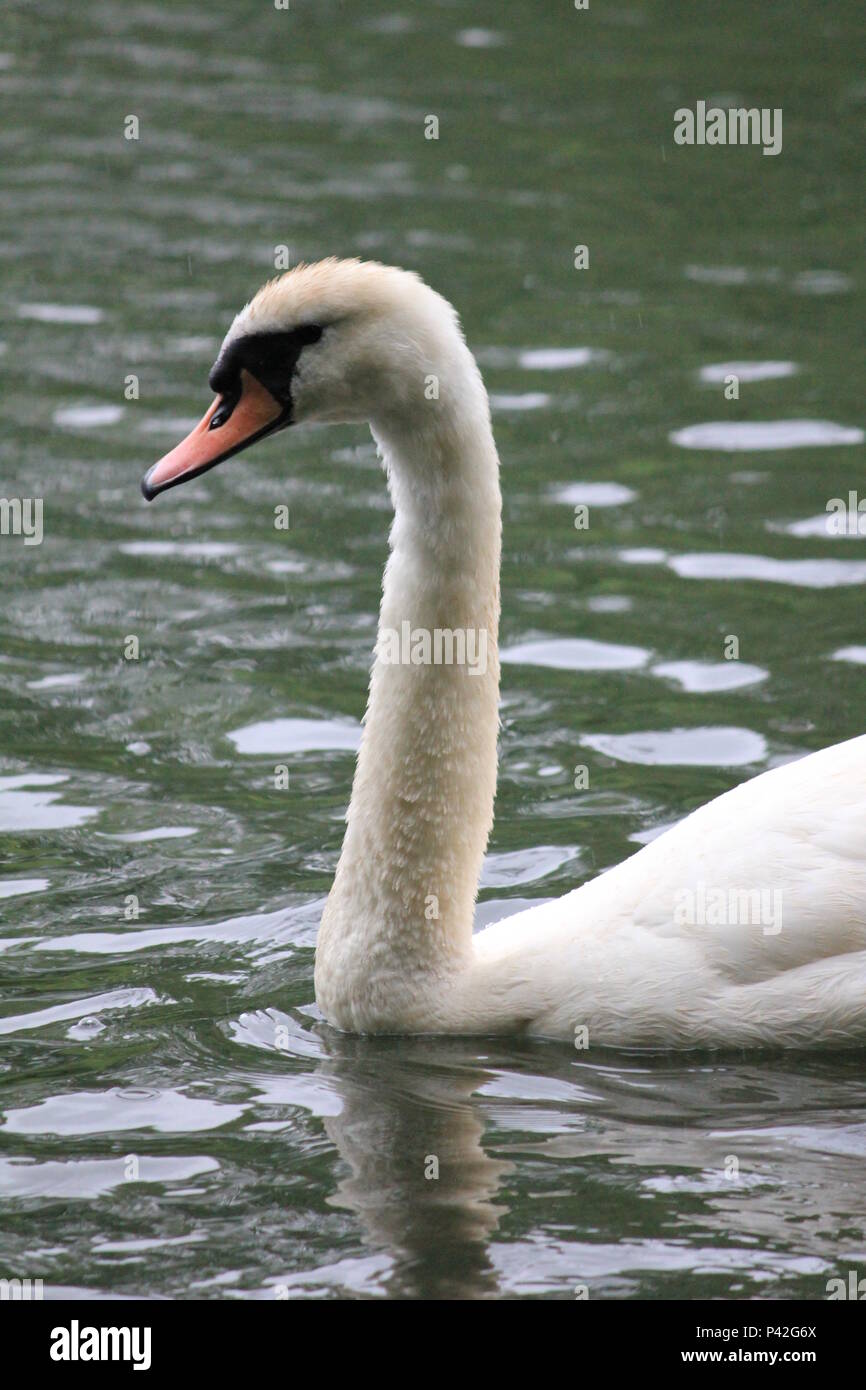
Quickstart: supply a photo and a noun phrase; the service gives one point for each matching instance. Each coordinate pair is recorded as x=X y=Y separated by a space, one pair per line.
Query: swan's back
x=746 y=922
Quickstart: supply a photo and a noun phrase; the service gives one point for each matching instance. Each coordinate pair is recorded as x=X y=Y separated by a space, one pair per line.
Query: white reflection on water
x=591 y=1261
x=78 y=1008
x=734 y=436
x=557 y=359
x=807 y=574
x=701 y=747
x=480 y=38
x=576 y=654
x=716 y=372
x=700 y=677
x=29 y=810
x=643 y=555
x=822 y=282
x=119 y=1109
x=87 y=416
x=824 y=526
x=527 y=400
x=60 y=313
x=64 y=678
x=595 y=494
x=731 y=275
x=259 y=933
x=182 y=550
x=85 y=1179
x=506 y=869
x=160 y=832
x=295 y=736
x=12 y=887
x=766 y=569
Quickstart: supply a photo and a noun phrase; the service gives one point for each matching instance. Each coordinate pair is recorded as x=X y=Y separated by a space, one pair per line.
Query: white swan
x=623 y=960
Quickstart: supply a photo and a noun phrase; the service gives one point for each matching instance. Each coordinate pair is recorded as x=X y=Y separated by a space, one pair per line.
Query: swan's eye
x=309 y=333
x=271 y=358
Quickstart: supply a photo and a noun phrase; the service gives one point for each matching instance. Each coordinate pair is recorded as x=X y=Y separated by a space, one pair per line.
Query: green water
x=153 y=1139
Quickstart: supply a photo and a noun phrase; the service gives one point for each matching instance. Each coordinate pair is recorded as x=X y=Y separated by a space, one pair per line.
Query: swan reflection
x=419 y=1178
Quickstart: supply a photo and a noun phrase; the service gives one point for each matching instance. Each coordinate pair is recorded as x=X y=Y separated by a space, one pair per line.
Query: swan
x=743 y=925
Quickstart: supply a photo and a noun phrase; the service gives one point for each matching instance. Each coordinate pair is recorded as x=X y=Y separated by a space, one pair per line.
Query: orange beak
x=256 y=414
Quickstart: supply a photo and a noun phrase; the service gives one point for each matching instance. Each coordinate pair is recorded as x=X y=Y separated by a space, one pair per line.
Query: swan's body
x=676 y=947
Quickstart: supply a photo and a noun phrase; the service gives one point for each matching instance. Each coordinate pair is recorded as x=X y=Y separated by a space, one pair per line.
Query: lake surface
x=175 y=1119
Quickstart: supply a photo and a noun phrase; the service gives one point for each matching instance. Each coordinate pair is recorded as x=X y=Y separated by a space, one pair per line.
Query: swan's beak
x=226 y=429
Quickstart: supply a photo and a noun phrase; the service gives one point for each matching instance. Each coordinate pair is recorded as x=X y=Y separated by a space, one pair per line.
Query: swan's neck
x=399 y=916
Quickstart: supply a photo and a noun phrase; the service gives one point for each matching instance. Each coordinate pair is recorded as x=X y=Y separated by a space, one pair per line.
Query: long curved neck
x=401 y=907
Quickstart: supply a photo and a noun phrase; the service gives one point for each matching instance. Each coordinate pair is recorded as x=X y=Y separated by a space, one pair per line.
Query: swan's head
x=337 y=341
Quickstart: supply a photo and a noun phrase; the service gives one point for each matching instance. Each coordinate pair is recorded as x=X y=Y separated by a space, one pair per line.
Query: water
x=175 y=1120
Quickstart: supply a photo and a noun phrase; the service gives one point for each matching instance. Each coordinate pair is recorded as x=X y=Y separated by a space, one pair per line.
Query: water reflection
x=420 y=1181
x=733 y=436
x=751 y=1146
